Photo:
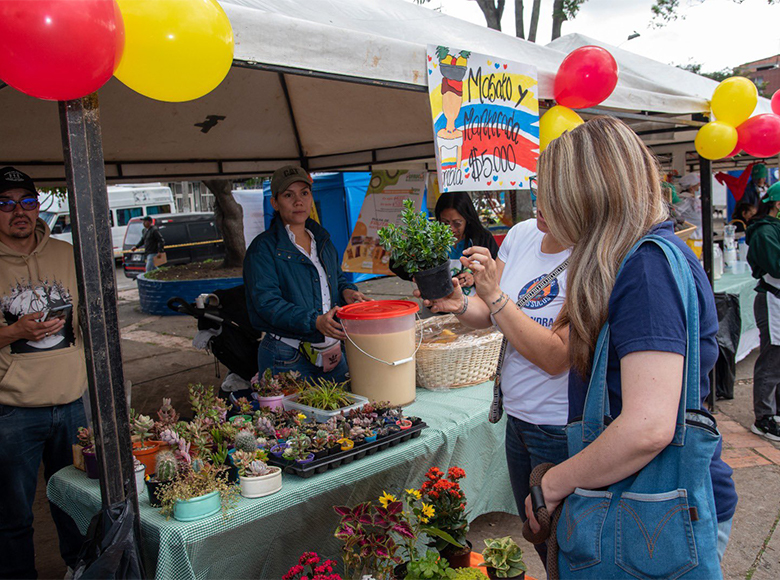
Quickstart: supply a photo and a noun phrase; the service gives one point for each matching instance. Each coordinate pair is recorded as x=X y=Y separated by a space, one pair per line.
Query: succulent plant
x=85 y=437
x=166 y=466
x=142 y=427
x=257 y=468
x=167 y=414
x=265 y=426
x=504 y=556
x=245 y=441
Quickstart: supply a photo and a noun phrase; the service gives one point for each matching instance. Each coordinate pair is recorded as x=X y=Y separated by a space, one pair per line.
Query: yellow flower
x=301 y=416
x=415 y=493
x=386 y=499
x=427 y=512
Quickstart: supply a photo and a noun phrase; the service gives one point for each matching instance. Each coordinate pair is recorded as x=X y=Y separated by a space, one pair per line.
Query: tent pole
x=705 y=171
x=88 y=200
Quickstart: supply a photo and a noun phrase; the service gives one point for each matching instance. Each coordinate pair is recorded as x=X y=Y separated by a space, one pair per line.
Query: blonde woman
x=600 y=192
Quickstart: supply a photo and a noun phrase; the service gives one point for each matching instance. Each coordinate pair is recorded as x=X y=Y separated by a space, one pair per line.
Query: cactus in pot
x=245 y=441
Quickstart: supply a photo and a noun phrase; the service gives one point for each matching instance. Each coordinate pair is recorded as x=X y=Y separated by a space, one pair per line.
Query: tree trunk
x=519 y=24
x=558 y=18
x=534 y=20
x=493 y=11
x=230 y=220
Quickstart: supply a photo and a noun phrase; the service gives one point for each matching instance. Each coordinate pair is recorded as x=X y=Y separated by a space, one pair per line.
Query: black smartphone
x=60 y=311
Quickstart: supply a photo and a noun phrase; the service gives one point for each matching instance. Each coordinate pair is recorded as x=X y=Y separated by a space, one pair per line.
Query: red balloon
x=59 y=49
x=737 y=149
x=759 y=136
x=776 y=102
x=586 y=77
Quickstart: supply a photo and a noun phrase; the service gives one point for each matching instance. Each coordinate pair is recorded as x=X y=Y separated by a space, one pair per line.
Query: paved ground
x=160 y=361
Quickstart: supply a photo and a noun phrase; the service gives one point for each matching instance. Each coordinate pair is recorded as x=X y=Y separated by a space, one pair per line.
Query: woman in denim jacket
x=295 y=286
x=600 y=191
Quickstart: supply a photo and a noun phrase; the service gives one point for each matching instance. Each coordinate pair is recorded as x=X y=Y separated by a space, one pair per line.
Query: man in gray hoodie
x=42 y=371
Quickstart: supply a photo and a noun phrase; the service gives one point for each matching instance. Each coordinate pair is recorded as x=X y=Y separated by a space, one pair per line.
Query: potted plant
x=140 y=471
x=143 y=448
x=245 y=410
x=298 y=449
x=421 y=248
x=85 y=440
x=257 y=479
x=200 y=491
x=324 y=394
x=431 y=565
x=369 y=547
x=320 y=444
x=268 y=391
x=164 y=473
x=312 y=567
x=468 y=574
x=245 y=440
x=167 y=417
x=503 y=558
x=449 y=504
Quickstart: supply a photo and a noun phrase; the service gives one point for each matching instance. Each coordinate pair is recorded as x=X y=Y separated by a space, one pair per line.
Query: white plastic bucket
x=381 y=345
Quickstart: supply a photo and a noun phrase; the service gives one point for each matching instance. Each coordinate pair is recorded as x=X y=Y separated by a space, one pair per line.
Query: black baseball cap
x=12 y=178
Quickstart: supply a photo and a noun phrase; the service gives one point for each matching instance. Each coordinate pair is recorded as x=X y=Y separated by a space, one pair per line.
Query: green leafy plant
x=504 y=556
x=432 y=565
x=197 y=482
x=142 y=427
x=325 y=394
x=419 y=243
x=468 y=574
x=268 y=385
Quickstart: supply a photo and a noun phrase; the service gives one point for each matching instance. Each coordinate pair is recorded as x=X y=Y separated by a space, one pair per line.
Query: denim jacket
x=283 y=287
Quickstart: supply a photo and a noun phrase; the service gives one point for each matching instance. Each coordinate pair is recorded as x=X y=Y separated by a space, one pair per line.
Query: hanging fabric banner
x=485 y=120
x=383 y=204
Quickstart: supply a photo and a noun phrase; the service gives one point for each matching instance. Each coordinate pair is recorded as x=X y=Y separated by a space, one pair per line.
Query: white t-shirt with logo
x=531 y=394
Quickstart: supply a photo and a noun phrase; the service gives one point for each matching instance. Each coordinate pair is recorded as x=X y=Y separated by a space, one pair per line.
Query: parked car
x=189 y=237
x=125 y=202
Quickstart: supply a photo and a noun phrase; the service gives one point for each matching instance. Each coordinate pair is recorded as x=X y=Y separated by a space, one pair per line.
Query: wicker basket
x=686 y=232
x=457 y=364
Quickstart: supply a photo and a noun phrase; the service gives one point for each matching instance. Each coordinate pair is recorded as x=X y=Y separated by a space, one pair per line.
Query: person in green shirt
x=763 y=238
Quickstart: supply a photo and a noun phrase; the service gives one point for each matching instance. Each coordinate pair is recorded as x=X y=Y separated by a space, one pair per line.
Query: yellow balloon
x=175 y=50
x=716 y=140
x=734 y=100
x=555 y=122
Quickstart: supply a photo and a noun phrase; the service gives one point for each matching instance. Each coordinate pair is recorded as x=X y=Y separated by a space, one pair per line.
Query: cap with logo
x=285 y=176
x=12 y=178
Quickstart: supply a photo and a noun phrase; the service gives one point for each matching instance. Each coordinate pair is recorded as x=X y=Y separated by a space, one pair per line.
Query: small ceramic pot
x=146 y=453
x=91 y=463
x=197 y=508
x=262 y=485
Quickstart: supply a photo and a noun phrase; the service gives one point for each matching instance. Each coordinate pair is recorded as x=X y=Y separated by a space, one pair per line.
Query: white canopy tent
x=332 y=84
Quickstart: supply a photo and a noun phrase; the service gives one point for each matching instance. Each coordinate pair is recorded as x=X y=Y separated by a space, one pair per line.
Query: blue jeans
x=150 y=262
x=29 y=435
x=279 y=357
x=529 y=445
x=724 y=533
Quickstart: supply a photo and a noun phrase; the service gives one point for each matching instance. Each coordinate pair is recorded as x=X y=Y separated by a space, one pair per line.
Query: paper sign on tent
x=486 y=120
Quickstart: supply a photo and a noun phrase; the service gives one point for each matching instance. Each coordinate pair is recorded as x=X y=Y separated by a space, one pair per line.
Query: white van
x=125 y=201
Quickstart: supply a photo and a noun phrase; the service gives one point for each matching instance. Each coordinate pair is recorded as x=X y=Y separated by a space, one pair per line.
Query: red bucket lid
x=378 y=309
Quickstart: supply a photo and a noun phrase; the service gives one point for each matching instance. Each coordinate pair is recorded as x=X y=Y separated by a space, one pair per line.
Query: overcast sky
x=715 y=33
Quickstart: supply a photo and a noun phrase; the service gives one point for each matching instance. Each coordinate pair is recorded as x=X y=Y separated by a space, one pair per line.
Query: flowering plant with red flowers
x=449 y=502
x=311 y=567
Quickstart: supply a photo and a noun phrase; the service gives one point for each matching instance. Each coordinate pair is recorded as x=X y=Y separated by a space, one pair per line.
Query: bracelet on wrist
x=464 y=307
x=499 y=299
x=500 y=308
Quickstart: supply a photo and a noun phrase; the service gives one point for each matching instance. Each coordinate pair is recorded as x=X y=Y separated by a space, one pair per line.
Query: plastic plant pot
x=262 y=485
x=404 y=424
x=308 y=459
x=278 y=450
x=346 y=444
x=272 y=403
x=236 y=419
x=491 y=572
x=197 y=508
x=153 y=489
x=146 y=453
x=370 y=438
x=91 y=463
x=435 y=282
x=139 y=479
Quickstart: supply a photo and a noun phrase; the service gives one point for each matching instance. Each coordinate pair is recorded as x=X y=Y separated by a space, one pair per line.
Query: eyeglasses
x=27 y=203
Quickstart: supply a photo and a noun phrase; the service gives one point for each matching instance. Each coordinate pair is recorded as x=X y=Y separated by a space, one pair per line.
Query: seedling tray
x=345 y=457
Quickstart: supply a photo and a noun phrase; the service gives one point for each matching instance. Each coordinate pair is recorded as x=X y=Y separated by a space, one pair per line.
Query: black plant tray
x=345 y=457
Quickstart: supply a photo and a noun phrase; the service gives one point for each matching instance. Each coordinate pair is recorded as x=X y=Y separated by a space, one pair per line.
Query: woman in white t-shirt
x=534 y=379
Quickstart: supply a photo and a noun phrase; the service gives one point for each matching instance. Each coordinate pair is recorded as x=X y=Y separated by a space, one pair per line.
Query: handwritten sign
x=485 y=118
x=383 y=204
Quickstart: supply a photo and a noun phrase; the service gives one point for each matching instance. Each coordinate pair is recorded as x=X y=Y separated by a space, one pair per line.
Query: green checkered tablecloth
x=744 y=286
x=263 y=537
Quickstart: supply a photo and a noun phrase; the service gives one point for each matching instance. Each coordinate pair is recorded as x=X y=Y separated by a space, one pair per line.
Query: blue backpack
x=660 y=522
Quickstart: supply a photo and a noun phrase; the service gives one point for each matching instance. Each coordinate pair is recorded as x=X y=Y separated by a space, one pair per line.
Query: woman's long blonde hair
x=599 y=192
